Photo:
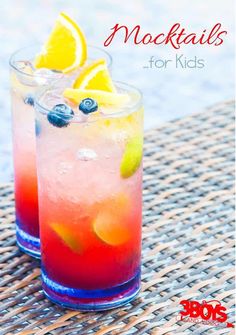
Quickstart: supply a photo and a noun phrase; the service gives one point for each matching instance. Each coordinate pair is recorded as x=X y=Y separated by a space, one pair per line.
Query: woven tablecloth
x=188 y=240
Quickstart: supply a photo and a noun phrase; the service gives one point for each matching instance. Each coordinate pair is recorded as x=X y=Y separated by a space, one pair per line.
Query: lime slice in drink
x=132 y=157
x=110 y=229
x=110 y=224
x=68 y=236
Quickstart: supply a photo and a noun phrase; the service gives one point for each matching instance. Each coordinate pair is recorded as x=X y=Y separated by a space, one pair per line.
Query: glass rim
x=16 y=52
x=124 y=110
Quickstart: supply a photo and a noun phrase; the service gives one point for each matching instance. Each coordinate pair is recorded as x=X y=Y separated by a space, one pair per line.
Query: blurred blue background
x=168 y=93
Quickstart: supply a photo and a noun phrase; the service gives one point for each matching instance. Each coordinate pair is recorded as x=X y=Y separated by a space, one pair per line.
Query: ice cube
x=64 y=167
x=86 y=154
x=24 y=66
x=25 y=72
x=120 y=136
x=45 y=76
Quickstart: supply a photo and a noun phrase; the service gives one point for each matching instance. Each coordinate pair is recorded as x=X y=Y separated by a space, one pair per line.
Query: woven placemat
x=188 y=239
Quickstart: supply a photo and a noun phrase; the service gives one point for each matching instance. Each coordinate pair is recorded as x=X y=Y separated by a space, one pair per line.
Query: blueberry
x=88 y=105
x=37 y=127
x=29 y=100
x=60 y=115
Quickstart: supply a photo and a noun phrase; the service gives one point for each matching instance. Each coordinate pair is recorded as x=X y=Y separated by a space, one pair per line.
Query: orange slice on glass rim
x=95 y=76
x=76 y=95
x=66 y=49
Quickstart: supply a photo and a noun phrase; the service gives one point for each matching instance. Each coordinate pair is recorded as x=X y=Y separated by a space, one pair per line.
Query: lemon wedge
x=110 y=222
x=132 y=157
x=110 y=229
x=65 y=49
x=67 y=236
x=102 y=97
x=95 y=76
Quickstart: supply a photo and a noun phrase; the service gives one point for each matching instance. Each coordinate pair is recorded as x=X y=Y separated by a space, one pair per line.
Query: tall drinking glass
x=24 y=82
x=90 y=202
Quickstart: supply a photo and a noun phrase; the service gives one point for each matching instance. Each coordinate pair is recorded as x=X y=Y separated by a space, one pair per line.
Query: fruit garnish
x=102 y=97
x=60 y=115
x=88 y=106
x=132 y=157
x=67 y=235
x=65 y=49
x=110 y=222
x=110 y=229
x=95 y=76
x=29 y=100
x=38 y=127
